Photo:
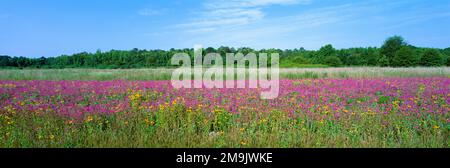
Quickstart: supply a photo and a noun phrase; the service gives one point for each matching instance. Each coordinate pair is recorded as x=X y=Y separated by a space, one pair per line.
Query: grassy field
x=165 y=74
x=317 y=107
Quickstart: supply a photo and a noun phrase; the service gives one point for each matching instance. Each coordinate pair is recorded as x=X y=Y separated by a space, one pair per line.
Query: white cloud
x=218 y=4
x=151 y=12
x=244 y=23
x=201 y=30
x=416 y=17
x=225 y=17
x=238 y=29
x=231 y=13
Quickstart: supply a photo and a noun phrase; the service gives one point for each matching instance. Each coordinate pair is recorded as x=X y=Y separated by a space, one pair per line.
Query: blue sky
x=37 y=28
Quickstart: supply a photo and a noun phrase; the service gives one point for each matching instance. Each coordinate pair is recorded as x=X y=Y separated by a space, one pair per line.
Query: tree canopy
x=391 y=46
x=431 y=57
x=394 y=52
x=405 y=57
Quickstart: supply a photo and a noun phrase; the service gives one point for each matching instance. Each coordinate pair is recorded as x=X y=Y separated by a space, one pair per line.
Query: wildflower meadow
x=325 y=112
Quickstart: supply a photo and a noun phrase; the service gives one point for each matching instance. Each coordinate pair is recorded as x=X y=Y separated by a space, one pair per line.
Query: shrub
x=405 y=57
x=333 y=61
x=383 y=61
x=431 y=58
x=448 y=61
x=391 y=46
x=301 y=60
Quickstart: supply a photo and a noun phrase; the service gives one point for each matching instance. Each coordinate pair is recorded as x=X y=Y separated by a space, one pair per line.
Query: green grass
x=363 y=72
x=86 y=74
x=296 y=65
x=165 y=74
x=175 y=126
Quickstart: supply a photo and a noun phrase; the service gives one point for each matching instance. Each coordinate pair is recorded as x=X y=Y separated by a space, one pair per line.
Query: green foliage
x=431 y=57
x=359 y=56
x=371 y=56
x=446 y=52
x=333 y=61
x=4 y=61
x=446 y=56
x=300 y=60
x=299 y=57
x=405 y=57
x=287 y=71
x=383 y=61
x=294 y=65
x=391 y=46
x=324 y=52
x=179 y=127
x=448 y=61
x=222 y=120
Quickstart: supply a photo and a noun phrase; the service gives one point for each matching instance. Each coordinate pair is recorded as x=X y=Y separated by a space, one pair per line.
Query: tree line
x=395 y=52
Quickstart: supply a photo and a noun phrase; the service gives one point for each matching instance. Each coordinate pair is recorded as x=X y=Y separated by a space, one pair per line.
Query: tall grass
x=165 y=74
x=176 y=126
x=363 y=72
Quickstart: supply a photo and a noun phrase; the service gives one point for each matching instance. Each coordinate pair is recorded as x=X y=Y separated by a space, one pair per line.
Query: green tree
x=383 y=61
x=333 y=61
x=23 y=62
x=137 y=58
x=5 y=61
x=431 y=57
x=372 y=56
x=41 y=62
x=300 y=60
x=446 y=52
x=324 y=52
x=210 y=50
x=448 y=61
x=391 y=46
x=405 y=57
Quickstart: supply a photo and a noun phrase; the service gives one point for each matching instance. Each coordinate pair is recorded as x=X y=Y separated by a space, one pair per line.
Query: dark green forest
x=395 y=52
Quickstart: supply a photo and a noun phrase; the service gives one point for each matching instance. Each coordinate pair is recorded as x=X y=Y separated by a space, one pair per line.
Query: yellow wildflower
x=322 y=122
x=149 y=123
x=243 y=143
x=89 y=118
x=436 y=127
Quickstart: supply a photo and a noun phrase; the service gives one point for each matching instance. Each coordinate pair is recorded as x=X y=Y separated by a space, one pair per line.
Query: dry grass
x=165 y=74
